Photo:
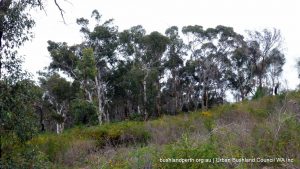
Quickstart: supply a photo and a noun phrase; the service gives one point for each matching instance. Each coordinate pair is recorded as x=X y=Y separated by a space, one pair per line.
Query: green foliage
x=260 y=92
x=231 y=130
x=186 y=149
x=125 y=133
x=123 y=71
x=209 y=124
x=119 y=133
x=155 y=44
x=259 y=113
x=25 y=157
x=88 y=65
x=63 y=58
x=57 y=87
x=15 y=29
x=83 y=112
x=17 y=109
x=58 y=94
x=136 y=117
x=278 y=138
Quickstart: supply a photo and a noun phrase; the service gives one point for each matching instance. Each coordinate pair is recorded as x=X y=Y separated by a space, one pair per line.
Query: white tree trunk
x=90 y=97
x=60 y=125
x=145 y=94
x=99 y=97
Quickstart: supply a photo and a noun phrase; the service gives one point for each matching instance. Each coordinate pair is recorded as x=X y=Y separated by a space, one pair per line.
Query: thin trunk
x=138 y=109
x=58 y=128
x=90 y=97
x=145 y=95
x=0 y=67
x=203 y=100
x=41 y=112
x=175 y=90
x=242 y=94
x=1 y=34
x=1 y=144
x=87 y=92
x=206 y=100
x=276 y=89
x=158 y=98
x=100 y=107
x=260 y=81
x=107 y=116
x=60 y=125
x=176 y=94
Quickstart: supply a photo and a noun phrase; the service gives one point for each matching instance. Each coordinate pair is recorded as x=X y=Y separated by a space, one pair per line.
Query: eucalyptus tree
x=266 y=55
x=18 y=120
x=241 y=77
x=65 y=58
x=104 y=42
x=155 y=45
x=210 y=52
x=15 y=29
x=130 y=43
x=195 y=39
x=58 y=93
x=174 y=62
x=131 y=50
x=15 y=25
x=145 y=52
x=226 y=42
x=275 y=68
x=91 y=61
x=17 y=93
x=87 y=72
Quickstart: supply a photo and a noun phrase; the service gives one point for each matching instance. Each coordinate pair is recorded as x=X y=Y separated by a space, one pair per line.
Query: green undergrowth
x=268 y=127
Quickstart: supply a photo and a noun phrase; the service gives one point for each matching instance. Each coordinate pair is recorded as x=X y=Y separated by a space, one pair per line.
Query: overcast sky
x=157 y=15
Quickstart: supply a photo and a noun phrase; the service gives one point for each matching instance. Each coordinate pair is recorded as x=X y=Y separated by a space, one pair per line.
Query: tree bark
x=41 y=113
x=1 y=35
x=99 y=95
x=60 y=125
x=145 y=95
x=158 y=99
x=204 y=96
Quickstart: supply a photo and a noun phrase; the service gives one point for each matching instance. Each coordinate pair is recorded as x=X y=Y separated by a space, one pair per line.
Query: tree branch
x=61 y=10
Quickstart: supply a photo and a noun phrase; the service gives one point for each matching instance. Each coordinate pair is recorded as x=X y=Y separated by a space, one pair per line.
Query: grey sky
x=160 y=14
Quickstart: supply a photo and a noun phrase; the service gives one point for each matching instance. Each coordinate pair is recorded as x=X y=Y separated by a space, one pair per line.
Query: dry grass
x=269 y=127
x=77 y=152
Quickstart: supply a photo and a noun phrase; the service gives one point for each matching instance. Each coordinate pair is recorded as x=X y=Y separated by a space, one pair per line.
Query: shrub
x=119 y=133
x=24 y=156
x=186 y=149
x=261 y=92
x=83 y=112
x=77 y=152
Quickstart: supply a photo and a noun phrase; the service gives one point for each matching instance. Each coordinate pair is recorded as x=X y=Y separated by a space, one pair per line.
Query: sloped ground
x=266 y=128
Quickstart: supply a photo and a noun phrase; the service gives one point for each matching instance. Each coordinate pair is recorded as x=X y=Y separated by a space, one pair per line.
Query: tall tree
x=15 y=29
x=174 y=62
x=131 y=48
x=18 y=120
x=241 y=75
x=155 y=44
x=58 y=93
x=210 y=51
x=87 y=71
x=263 y=47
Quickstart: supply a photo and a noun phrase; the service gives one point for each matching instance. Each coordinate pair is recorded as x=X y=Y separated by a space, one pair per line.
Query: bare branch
x=61 y=10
